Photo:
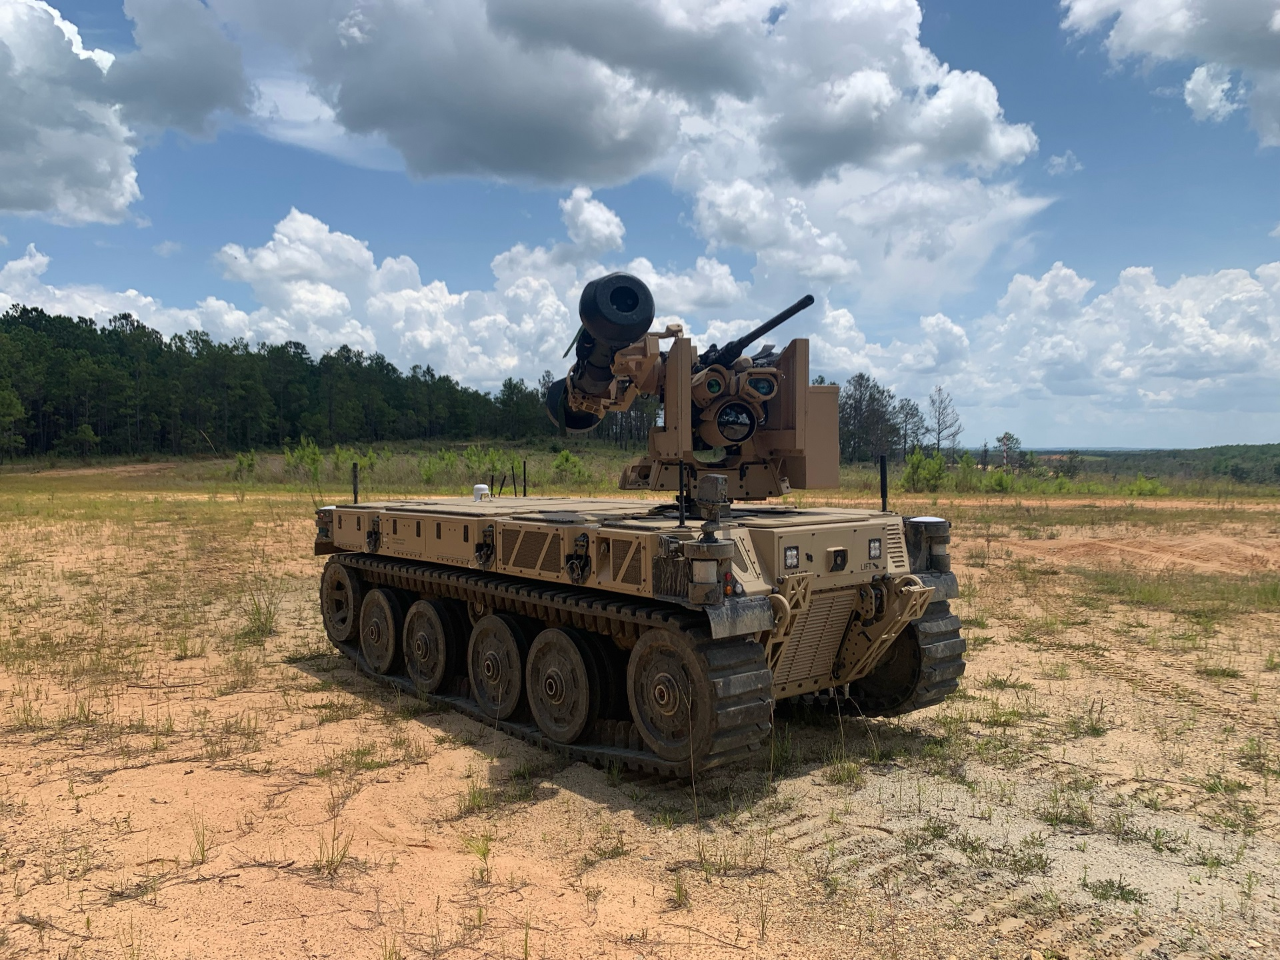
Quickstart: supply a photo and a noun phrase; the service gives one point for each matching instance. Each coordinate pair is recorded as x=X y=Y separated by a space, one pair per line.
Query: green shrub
x=968 y=478
x=1144 y=487
x=246 y=464
x=440 y=468
x=304 y=460
x=997 y=481
x=568 y=469
x=924 y=473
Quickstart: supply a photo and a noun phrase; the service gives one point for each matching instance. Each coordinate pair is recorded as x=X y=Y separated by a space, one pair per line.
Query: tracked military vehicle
x=656 y=633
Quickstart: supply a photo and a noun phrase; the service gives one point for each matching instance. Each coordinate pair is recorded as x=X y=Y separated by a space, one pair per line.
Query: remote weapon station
x=658 y=633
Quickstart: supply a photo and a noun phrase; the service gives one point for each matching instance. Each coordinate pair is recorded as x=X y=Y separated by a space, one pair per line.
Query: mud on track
x=188 y=770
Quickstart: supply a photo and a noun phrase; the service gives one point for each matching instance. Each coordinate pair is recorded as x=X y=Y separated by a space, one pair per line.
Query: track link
x=740 y=678
x=941 y=660
x=921 y=670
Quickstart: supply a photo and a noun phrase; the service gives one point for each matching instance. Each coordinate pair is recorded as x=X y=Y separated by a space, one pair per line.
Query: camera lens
x=735 y=422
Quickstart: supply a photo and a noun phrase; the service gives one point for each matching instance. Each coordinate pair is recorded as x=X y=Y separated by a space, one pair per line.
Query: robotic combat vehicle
x=656 y=634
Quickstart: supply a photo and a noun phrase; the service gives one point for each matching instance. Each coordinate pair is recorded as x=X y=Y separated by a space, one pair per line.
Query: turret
x=757 y=420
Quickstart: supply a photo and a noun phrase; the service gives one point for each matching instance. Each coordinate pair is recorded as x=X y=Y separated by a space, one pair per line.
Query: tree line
x=72 y=386
x=76 y=387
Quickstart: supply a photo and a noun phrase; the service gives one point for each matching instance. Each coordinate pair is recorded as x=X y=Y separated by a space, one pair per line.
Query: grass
x=1218 y=671
x=1090 y=723
x=334 y=851
x=679 y=892
x=1113 y=889
x=609 y=845
x=199 y=841
x=843 y=770
x=1007 y=682
x=520 y=787
x=358 y=758
x=1198 y=597
x=480 y=846
x=1065 y=807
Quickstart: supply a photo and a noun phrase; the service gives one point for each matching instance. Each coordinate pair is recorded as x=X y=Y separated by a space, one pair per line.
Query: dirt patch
x=1205 y=553
x=183 y=776
x=118 y=470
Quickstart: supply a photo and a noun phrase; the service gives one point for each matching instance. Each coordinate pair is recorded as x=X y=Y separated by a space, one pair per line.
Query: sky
x=1065 y=214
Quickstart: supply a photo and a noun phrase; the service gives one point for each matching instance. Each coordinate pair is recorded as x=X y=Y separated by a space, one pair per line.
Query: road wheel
x=341 y=594
x=495 y=664
x=433 y=639
x=380 y=625
x=671 y=696
x=563 y=685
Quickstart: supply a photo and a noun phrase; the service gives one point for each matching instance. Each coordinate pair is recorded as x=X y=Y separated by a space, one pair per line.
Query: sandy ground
x=173 y=783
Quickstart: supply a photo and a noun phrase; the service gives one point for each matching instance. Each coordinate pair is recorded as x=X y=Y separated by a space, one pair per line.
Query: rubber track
x=738 y=672
x=942 y=663
x=941 y=659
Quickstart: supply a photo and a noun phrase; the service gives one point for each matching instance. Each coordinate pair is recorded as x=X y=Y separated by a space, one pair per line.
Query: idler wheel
x=495 y=664
x=563 y=685
x=380 y=624
x=670 y=696
x=432 y=644
x=341 y=594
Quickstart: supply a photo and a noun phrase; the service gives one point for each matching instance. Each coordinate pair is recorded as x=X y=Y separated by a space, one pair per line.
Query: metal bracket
x=897 y=601
x=578 y=563
x=788 y=604
x=485 y=548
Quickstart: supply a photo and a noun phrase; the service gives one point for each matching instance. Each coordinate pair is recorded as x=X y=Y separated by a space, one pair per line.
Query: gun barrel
x=732 y=350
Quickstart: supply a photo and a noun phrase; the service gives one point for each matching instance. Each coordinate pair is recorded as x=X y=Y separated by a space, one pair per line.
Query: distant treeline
x=1244 y=463
x=74 y=387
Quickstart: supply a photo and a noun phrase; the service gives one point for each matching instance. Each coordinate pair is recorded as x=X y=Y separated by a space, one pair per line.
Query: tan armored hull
x=813 y=599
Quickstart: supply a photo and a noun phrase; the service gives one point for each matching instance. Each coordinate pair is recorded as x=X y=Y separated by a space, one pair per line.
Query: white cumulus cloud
x=769 y=124
x=1208 y=93
x=326 y=289
x=826 y=141
x=68 y=111
x=1224 y=37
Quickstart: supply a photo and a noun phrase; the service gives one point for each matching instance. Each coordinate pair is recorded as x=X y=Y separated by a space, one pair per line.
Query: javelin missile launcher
x=657 y=634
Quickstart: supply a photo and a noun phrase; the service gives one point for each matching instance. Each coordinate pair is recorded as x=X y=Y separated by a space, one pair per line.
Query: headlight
x=791 y=558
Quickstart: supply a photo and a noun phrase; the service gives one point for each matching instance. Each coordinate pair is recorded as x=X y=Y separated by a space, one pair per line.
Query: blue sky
x=1061 y=213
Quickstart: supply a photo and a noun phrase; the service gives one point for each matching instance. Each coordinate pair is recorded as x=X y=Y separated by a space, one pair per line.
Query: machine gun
x=756 y=420
x=731 y=351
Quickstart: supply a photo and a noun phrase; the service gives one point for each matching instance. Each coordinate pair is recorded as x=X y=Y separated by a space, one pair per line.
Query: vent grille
x=811 y=651
x=553 y=561
x=632 y=576
x=895 y=549
x=618 y=550
x=530 y=549
x=510 y=537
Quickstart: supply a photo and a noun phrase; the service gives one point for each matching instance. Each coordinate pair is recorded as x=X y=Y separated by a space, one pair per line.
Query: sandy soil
x=174 y=784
